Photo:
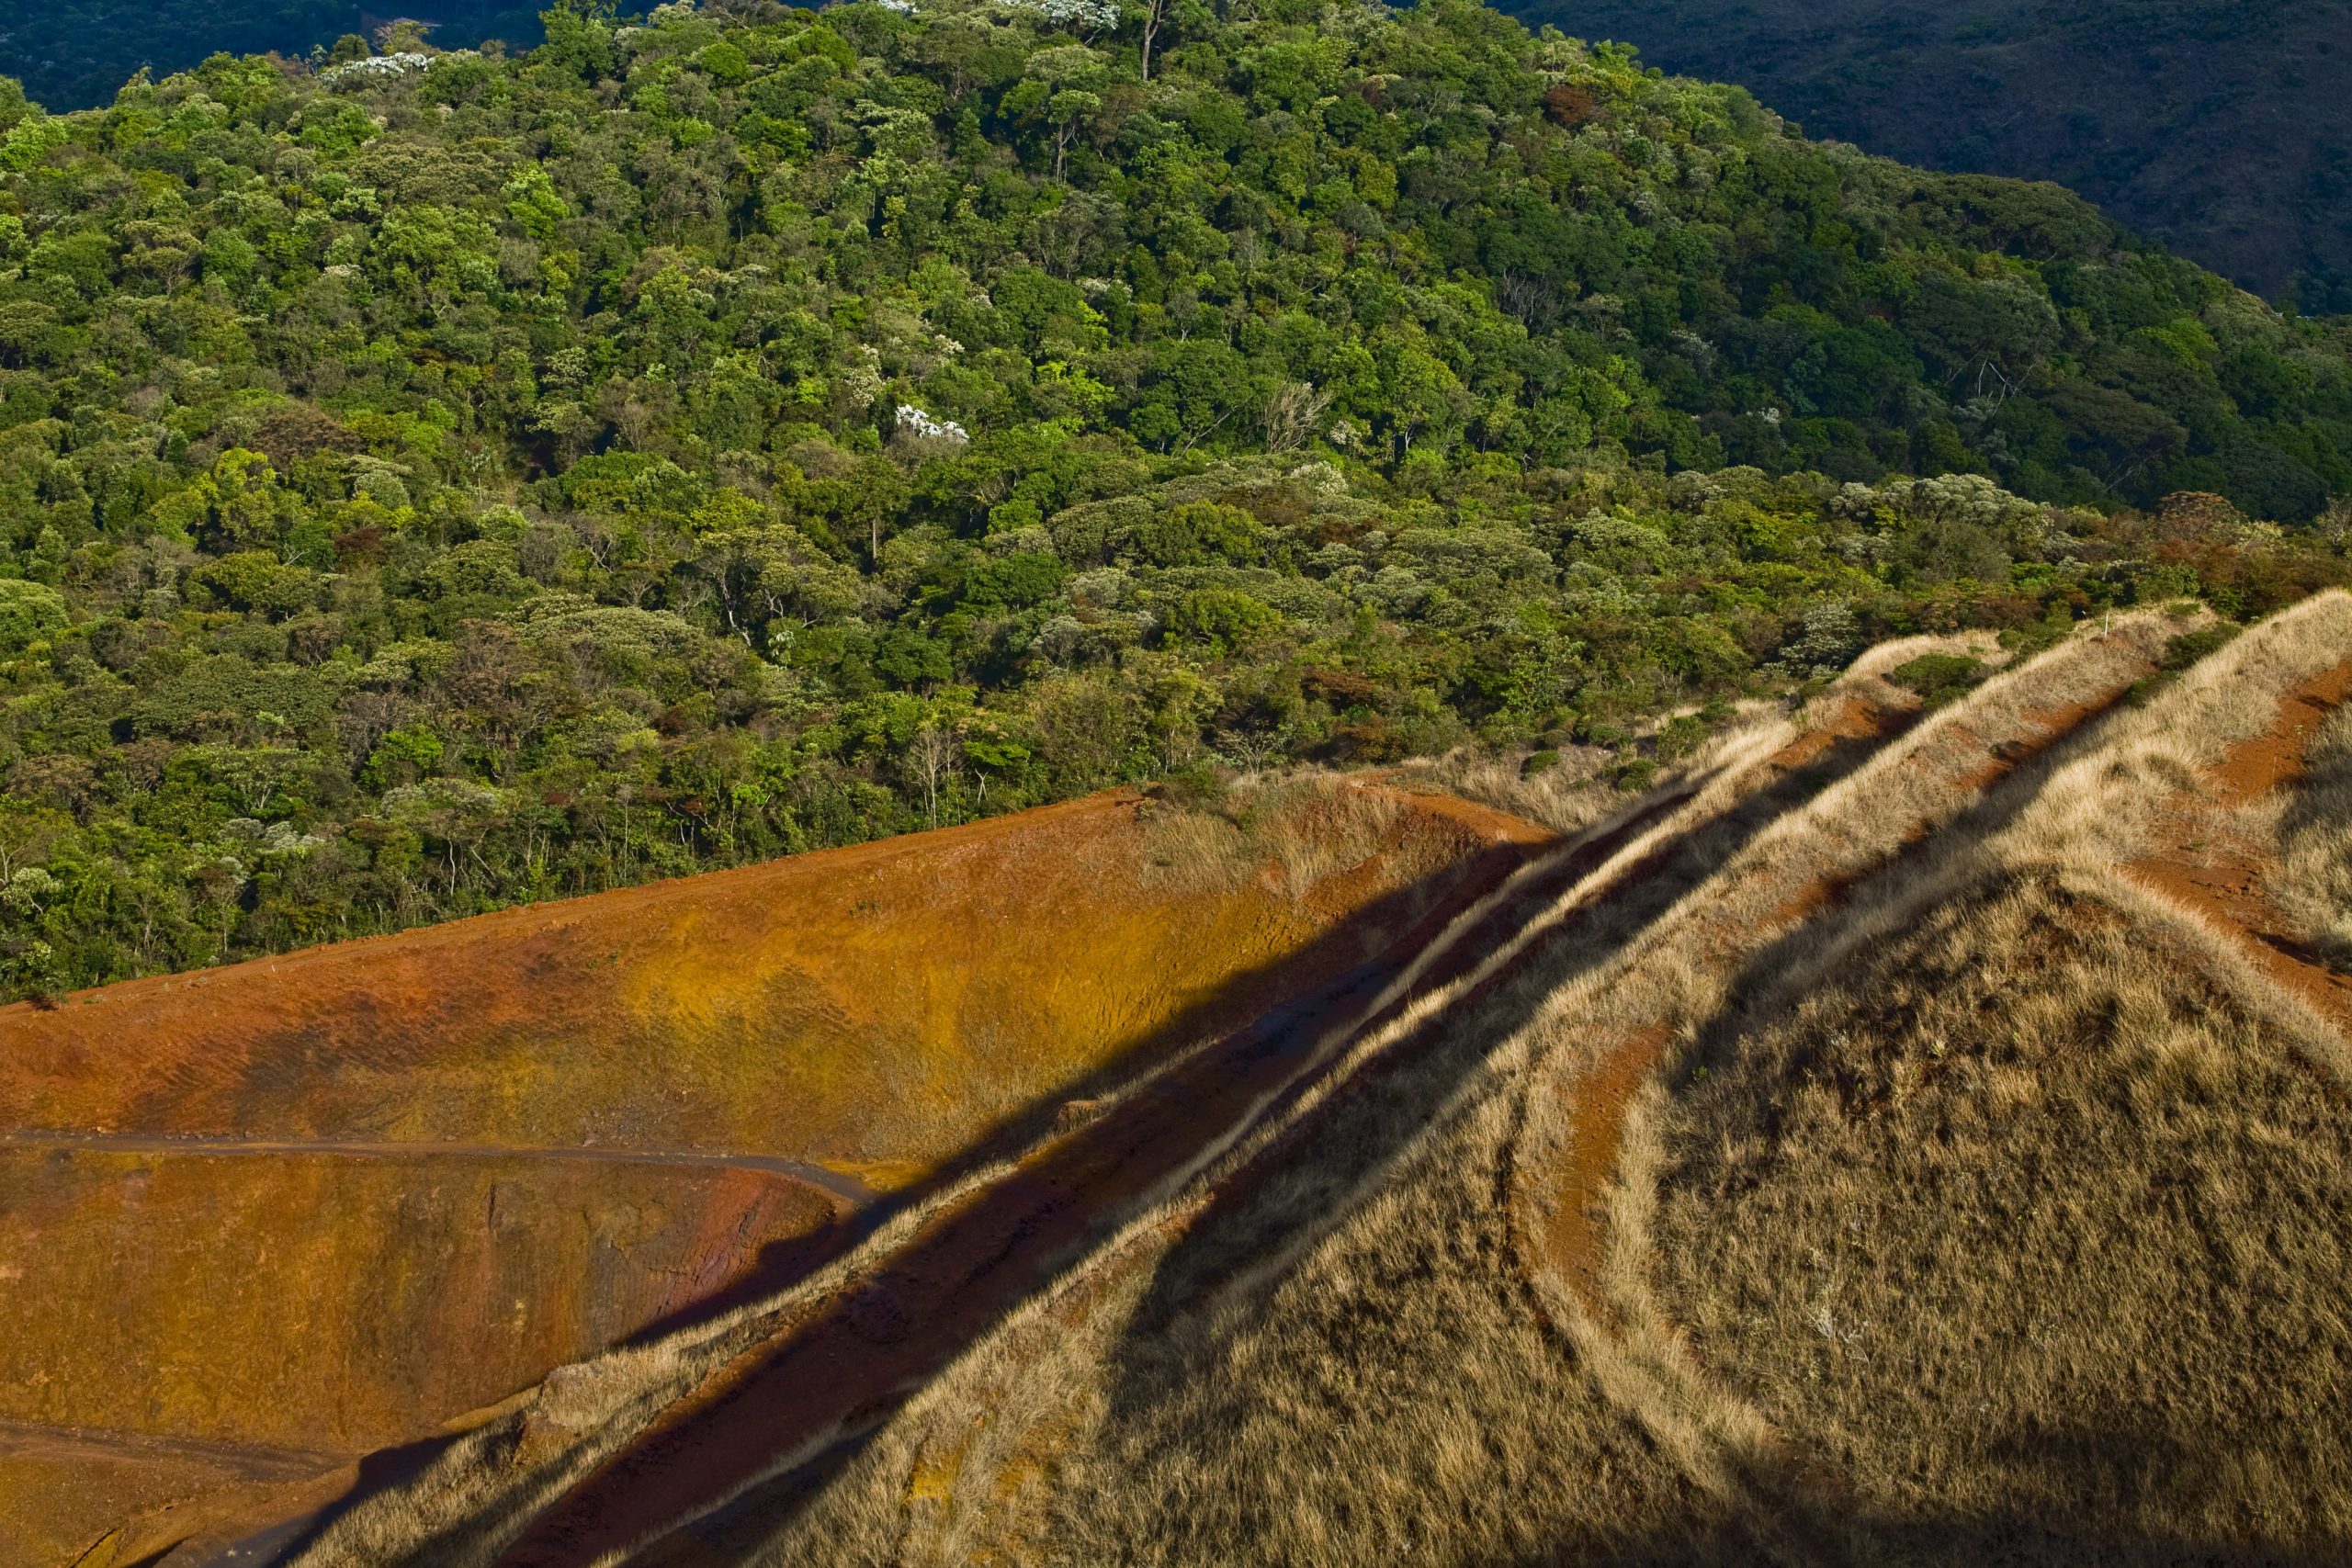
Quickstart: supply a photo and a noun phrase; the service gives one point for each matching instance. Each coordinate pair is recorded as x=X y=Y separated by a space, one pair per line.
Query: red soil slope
x=836 y=1364
x=319 y=1205
x=2217 y=873
x=865 y=1008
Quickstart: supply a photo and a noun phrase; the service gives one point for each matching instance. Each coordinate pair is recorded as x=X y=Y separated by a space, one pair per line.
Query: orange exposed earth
x=324 y=1205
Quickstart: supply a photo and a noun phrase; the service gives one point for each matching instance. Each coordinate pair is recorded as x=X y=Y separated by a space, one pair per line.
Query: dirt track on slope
x=845 y=1190
x=2219 y=875
x=1564 y=1203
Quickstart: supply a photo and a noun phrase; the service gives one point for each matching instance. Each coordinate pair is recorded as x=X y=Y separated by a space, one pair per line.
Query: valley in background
x=2218 y=128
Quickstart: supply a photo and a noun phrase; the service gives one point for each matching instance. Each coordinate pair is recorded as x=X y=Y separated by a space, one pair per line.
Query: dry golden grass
x=1982 y=1203
x=1567 y=798
x=2010 y=1201
x=1300 y=831
x=2023 y=1221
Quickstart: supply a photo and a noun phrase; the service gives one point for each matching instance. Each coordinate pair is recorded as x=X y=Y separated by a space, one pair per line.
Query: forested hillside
x=2221 y=127
x=434 y=480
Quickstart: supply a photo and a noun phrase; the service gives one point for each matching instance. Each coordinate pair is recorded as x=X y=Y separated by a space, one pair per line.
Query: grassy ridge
x=1981 y=1200
x=2010 y=1199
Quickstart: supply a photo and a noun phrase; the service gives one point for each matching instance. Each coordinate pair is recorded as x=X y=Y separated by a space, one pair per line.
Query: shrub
x=1939 y=678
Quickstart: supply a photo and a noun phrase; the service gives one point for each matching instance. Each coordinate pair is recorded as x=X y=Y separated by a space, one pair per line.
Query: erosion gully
x=2219 y=874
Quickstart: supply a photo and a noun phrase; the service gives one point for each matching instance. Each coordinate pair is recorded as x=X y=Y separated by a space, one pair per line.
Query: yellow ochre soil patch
x=59 y=1478
x=875 y=1006
x=376 y=1185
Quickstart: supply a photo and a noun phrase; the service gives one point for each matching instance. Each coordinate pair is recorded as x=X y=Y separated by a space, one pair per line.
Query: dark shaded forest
x=2222 y=128
x=74 y=55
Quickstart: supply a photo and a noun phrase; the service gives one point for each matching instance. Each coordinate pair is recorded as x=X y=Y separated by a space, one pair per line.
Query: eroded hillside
x=311 y=1207
x=1904 y=1136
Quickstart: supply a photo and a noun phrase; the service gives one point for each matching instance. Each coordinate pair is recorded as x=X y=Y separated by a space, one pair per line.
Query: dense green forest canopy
x=433 y=480
x=2222 y=128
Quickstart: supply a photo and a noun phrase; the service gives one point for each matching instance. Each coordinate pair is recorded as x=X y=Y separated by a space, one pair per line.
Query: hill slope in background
x=74 y=55
x=2220 y=128
x=2215 y=126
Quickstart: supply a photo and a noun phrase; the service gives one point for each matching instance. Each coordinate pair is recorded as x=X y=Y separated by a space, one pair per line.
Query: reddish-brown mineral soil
x=2252 y=767
x=2206 y=867
x=215 y=1277
x=316 y=1205
x=843 y=1358
x=1586 y=1166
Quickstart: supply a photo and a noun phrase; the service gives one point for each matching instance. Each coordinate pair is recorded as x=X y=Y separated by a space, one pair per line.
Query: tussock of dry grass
x=1367 y=1387
x=1978 y=645
x=1297 y=830
x=2148 y=771
x=1568 y=797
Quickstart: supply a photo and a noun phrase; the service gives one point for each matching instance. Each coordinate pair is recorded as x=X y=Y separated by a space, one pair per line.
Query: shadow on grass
x=1346 y=1142
x=1343 y=1142
x=1225 y=1274
x=896 y=1325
